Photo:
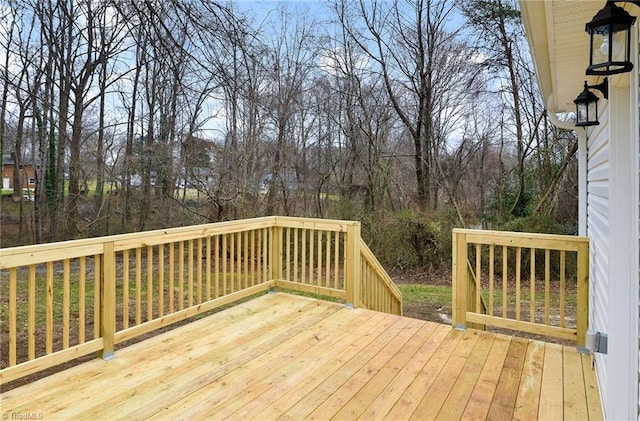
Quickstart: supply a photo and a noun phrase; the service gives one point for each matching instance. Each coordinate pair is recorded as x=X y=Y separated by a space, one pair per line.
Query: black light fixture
x=610 y=36
x=587 y=104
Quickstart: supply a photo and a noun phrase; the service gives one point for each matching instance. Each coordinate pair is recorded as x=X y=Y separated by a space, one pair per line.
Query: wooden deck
x=281 y=356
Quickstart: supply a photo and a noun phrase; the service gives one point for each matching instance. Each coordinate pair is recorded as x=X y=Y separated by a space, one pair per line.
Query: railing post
x=459 y=274
x=582 y=311
x=275 y=252
x=108 y=301
x=352 y=269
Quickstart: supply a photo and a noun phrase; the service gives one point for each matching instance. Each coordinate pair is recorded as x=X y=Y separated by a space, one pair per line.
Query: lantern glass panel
x=582 y=113
x=620 y=47
x=600 y=44
x=587 y=114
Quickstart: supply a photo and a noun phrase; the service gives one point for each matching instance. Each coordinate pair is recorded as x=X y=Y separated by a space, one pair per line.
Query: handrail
x=89 y=295
x=557 y=252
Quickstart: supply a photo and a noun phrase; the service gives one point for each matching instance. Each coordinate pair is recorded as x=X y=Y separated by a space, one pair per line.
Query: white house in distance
x=609 y=169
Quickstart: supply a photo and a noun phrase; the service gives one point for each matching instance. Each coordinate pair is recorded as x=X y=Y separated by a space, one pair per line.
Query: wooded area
x=412 y=116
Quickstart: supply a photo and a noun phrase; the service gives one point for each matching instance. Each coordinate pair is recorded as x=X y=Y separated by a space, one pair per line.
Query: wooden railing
x=64 y=300
x=313 y=256
x=513 y=290
x=378 y=291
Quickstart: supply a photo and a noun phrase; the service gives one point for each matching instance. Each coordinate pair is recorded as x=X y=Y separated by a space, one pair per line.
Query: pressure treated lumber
x=281 y=356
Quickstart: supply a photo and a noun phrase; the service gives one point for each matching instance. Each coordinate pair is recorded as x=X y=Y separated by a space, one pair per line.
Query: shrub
x=411 y=239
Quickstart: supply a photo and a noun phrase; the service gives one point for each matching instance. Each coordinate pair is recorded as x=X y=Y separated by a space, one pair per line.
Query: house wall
x=598 y=231
x=612 y=225
x=27 y=173
x=612 y=215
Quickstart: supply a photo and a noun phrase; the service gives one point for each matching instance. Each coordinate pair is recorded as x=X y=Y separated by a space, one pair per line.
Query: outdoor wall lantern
x=610 y=34
x=587 y=104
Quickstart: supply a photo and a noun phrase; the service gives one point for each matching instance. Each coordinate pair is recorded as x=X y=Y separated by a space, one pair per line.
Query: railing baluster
x=319 y=260
x=376 y=289
x=97 y=298
x=66 y=295
x=254 y=257
x=296 y=245
x=13 y=316
x=208 y=268
x=224 y=264
x=345 y=245
x=491 y=277
x=190 y=275
x=327 y=279
x=532 y=287
x=547 y=285
x=311 y=256
x=231 y=256
x=125 y=289
x=563 y=257
x=239 y=260
x=172 y=275
x=336 y=260
x=149 y=283
x=32 y=313
x=518 y=289
x=161 y=268
x=49 y=344
x=478 y=307
x=265 y=254
x=245 y=244
x=505 y=279
x=287 y=253
x=216 y=267
x=138 y=285
x=180 y=275
x=303 y=268
x=199 y=272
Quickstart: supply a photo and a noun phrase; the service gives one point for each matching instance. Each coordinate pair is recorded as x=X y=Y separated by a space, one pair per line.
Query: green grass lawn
x=431 y=301
x=419 y=293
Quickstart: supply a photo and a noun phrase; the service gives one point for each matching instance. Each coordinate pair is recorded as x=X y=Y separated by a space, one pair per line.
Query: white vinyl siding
x=598 y=231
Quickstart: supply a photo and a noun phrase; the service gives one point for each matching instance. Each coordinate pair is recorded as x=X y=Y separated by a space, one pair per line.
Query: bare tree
x=497 y=22
x=425 y=70
x=292 y=53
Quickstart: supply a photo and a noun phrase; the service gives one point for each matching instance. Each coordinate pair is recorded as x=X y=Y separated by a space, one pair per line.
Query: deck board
x=477 y=407
x=281 y=356
x=433 y=400
x=464 y=385
x=552 y=389
x=528 y=397
x=503 y=403
x=367 y=395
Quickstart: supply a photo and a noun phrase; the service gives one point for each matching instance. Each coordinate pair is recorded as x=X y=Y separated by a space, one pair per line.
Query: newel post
x=582 y=316
x=352 y=268
x=108 y=301
x=459 y=280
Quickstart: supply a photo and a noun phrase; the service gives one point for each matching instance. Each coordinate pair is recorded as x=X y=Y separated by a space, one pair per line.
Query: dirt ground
x=425 y=310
